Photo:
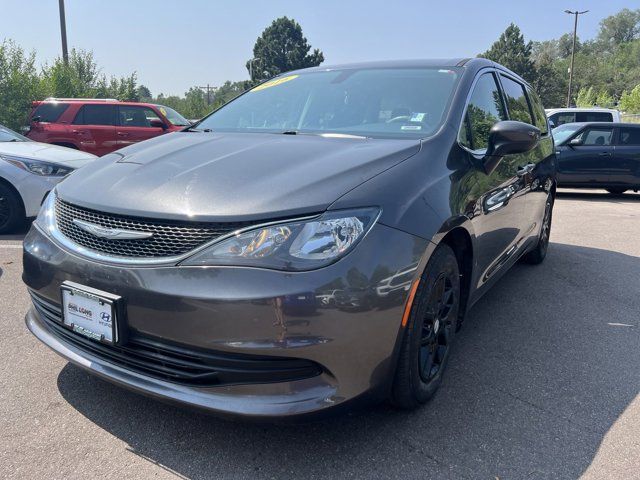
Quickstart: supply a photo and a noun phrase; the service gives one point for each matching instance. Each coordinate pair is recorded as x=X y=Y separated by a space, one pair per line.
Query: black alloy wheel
x=429 y=332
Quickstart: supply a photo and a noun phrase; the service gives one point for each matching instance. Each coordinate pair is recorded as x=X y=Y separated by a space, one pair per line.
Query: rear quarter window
x=630 y=136
x=50 y=112
x=594 y=117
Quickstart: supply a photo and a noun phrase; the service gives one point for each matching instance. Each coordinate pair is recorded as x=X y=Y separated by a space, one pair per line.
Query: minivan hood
x=231 y=176
x=48 y=153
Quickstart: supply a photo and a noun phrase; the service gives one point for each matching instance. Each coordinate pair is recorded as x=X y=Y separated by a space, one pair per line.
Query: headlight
x=46 y=216
x=38 y=167
x=293 y=246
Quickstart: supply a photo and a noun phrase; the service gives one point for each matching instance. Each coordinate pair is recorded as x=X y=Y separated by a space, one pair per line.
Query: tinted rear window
x=594 y=117
x=630 y=136
x=540 y=118
x=50 y=112
x=95 y=115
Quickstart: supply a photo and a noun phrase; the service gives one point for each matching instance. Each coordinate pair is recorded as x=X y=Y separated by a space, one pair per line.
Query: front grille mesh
x=170 y=238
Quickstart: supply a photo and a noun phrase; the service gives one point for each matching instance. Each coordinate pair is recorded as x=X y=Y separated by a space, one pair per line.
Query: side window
x=562 y=118
x=50 y=112
x=630 y=136
x=539 y=117
x=594 y=117
x=94 y=115
x=596 y=137
x=130 y=116
x=484 y=110
x=517 y=103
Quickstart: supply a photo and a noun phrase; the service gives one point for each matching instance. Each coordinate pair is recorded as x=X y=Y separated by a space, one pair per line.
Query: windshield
x=382 y=102
x=174 y=117
x=561 y=133
x=7 y=135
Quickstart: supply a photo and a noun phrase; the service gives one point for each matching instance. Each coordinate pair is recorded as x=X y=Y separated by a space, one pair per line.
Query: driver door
x=590 y=161
x=499 y=220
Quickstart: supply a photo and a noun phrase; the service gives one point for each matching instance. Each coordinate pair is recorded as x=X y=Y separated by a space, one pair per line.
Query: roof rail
x=55 y=99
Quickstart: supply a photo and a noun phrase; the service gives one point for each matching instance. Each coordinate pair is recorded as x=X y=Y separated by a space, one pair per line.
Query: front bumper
x=245 y=311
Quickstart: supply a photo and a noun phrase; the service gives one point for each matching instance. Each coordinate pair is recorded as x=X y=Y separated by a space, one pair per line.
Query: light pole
x=573 y=50
x=63 y=32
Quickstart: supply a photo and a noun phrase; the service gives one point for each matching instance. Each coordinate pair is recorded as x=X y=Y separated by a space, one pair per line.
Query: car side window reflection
x=596 y=137
x=485 y=109
x=516 y=100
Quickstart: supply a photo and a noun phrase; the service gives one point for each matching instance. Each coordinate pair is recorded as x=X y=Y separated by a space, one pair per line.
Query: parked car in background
x=598 y=155
x=319 y=183
x=560 y=116
x=100 y=126
x=28 y=171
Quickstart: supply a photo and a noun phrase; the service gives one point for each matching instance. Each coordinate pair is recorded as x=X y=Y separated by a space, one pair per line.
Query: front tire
x=429 y=332
x=11 y=211
x=616 y=191
x=539 y=253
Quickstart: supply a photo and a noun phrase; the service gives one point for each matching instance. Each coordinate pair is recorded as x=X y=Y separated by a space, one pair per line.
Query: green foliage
x=623 y=27
x=586 y=97
x=22 y=83
x=511 y=51
x=280 y=48
x=630 y=101
x=610 y=63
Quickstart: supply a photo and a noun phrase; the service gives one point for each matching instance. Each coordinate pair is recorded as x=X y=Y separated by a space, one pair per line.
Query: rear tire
x=616 y=191
x=539 y=253
x=11 y=210
x=429 y=332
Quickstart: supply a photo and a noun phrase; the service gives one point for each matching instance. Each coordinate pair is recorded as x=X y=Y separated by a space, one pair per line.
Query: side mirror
x=158 y=124
x=508 y=138
x=575 y=142
x=35 y=119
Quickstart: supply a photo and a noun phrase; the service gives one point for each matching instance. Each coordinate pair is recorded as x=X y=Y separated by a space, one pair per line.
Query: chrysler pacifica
x=314 y=242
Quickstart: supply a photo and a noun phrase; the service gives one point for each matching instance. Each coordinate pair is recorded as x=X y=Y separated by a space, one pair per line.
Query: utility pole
x=251 y=68
x=63 y=32
x=573 y=50
x=208 y=89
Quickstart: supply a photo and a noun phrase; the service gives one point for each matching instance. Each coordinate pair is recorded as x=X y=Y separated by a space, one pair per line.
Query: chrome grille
x=170 y=238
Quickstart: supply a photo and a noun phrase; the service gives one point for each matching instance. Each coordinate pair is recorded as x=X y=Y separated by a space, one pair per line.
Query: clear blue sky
x=173 y=45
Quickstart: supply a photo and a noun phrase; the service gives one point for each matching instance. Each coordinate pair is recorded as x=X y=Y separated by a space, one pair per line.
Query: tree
x=144 y=94
x=587 y=97
x=511 y=51
x=20 y=84
x=622 y=27
x=565 y=45
x=605 y=99
x=280 y=48
x=630 y=101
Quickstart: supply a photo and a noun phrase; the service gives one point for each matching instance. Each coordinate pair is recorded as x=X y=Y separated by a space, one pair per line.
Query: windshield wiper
x=194 y=129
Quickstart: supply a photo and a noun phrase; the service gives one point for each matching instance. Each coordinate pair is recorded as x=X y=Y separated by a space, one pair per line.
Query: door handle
x=123 y=134
x=528 y=168
x=604 y=154
x=77 y=132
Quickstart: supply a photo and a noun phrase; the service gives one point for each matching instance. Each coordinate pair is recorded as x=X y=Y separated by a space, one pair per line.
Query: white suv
x=28 y=171
x=559 y=116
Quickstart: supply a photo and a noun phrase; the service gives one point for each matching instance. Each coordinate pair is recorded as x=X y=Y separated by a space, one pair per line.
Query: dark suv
x=315 y=241
x=100 y=126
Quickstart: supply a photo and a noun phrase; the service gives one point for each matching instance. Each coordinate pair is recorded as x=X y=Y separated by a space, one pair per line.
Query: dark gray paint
x=426 y=190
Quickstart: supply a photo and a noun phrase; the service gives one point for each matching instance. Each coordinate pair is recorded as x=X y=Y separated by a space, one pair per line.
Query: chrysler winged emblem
x=110 y=233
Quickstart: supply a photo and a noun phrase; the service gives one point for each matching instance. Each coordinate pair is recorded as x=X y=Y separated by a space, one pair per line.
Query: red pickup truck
x=100 y=126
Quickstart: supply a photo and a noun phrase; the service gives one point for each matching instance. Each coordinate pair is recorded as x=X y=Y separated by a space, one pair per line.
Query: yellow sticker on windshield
x=274 y=82
x=163 y=111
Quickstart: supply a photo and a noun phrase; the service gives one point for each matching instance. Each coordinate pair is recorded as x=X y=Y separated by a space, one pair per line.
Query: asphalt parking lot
x=544 y=383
